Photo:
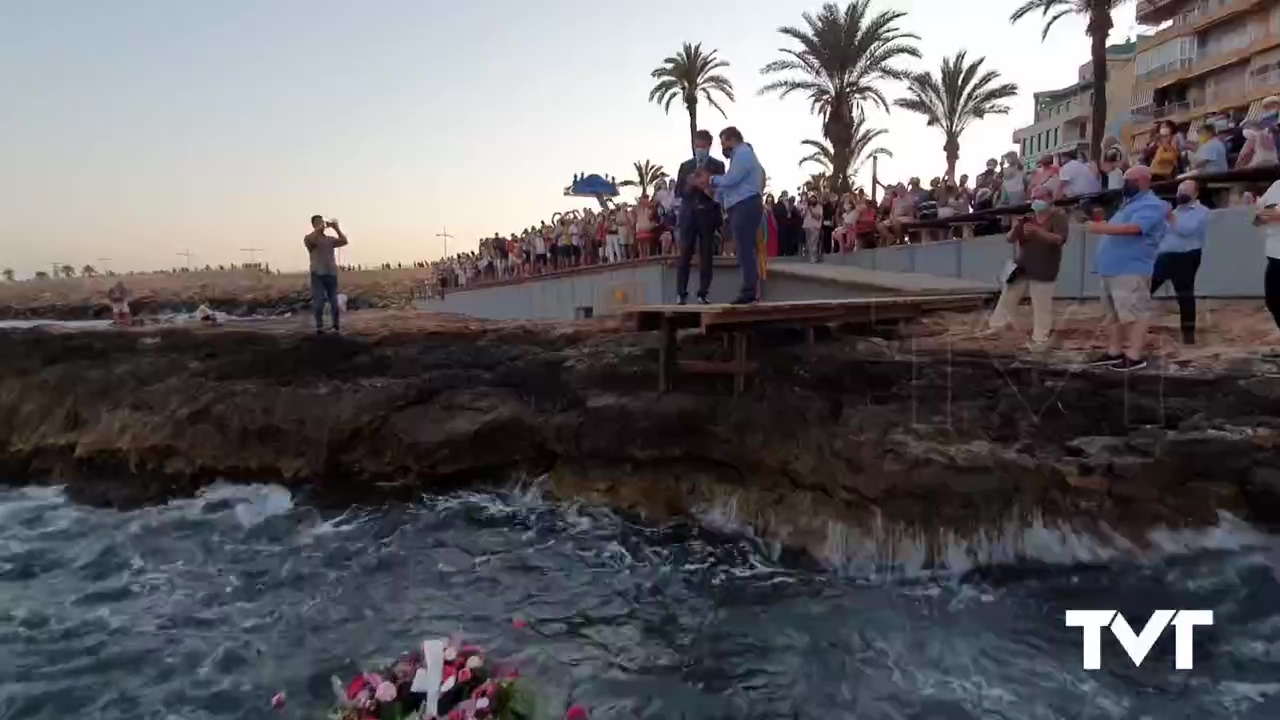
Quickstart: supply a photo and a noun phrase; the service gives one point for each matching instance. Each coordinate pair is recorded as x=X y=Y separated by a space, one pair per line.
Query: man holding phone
x=1038 y=238
x=324 y=268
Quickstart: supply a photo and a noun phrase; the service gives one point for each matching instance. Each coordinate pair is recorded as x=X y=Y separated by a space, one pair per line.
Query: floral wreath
x=444 y=680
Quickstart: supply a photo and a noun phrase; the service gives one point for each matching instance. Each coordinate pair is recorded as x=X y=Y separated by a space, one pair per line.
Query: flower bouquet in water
x=445 y=679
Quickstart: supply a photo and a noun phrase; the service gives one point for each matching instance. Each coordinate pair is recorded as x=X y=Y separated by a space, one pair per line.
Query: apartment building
x=1212 y=58
x=1062 y=116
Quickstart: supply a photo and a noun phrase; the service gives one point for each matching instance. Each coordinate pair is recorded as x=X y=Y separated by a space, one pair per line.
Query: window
x=1055 y=137
x=583 y=313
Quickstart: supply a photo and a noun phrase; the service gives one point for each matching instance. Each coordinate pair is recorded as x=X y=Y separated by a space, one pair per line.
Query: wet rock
x=836 y=433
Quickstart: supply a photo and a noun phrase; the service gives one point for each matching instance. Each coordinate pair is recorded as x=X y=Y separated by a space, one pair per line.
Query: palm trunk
x=1099 y=29
x=952 y=149
x=693 y=124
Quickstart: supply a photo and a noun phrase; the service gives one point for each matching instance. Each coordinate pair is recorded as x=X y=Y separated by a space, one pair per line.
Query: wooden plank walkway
x=737 y=322
x=880 y=280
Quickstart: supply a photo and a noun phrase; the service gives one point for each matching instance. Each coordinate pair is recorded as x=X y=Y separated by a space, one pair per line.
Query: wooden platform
x=736 y=322
x=880 y=280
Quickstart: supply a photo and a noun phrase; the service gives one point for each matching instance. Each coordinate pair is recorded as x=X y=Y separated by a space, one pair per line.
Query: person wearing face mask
x=1178 y=257
x=1038 y=239
x=1013 y=183
x=1164 y=154
x=697 y=220
x=1211 y=156
x=813 y=229
x=987 y=177
x=1126 y=258
x=1259 y=148
x=740 y=190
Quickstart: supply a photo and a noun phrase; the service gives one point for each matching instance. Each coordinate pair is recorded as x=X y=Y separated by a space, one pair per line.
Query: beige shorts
x=1126 y=298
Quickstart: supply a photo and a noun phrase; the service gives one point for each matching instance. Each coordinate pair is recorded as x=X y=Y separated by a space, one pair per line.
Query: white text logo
x=1138 y=645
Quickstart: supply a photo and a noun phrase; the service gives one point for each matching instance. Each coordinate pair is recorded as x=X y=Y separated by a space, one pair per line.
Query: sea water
x=205 y=608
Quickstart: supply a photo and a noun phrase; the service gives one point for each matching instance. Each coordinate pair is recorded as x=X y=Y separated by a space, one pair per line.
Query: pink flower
x=277 y=700
x=385 y=693
x=464 y=675
x=576 y=713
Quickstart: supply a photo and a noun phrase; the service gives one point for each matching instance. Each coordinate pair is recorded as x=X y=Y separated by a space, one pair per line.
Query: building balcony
x=1199 y=20
x=1268 y=82
x=1154 y=12
x=1171 y=109
x=1212 y=58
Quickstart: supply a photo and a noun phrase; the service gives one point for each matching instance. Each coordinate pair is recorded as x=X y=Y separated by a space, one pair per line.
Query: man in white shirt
x=1078 y=178
x=1268 y=218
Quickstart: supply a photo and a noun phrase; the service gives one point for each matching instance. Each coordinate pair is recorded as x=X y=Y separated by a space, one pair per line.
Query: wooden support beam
x=667 y=350
x=740 y=361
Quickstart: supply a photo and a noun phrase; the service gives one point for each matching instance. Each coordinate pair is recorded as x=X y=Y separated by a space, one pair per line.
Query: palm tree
x=817 y=181
x=960 y=93
x=842 y=57
x=1098 y=14
x=646 y=175
x=41 y=275
x=689 y=75
x=860 y=151
x=67 y=271
x=8 y=274
x=88 y=271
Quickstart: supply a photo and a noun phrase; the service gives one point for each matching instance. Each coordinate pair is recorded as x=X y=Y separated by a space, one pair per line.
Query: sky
x=134 y=131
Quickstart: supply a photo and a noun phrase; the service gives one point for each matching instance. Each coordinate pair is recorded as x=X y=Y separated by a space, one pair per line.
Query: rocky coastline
x=853 y=432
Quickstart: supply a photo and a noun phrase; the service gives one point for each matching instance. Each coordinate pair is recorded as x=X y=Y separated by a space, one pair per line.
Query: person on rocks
x=1178 y=258
x=118 y=299
x=1126 y=259
x=324 y=268
x=699 y=216
x=1039 y=238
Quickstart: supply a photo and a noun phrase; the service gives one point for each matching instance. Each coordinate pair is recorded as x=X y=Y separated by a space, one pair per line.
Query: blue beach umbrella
x=592 y=185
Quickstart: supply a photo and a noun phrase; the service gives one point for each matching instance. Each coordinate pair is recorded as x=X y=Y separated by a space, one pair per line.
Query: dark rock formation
x=845 y=433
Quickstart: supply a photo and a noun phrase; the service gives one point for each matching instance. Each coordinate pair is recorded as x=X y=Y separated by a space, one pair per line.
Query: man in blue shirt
x=699 y=217
x=1126 y=259
x=740 y=191
x=1179 y=254
x=1211 y=157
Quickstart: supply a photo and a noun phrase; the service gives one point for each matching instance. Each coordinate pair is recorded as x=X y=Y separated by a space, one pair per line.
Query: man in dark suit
x=698 y=219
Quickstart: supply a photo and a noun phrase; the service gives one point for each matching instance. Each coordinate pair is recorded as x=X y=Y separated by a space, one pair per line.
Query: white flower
x=474 y=662
x=450 y=654
x=386 y=692
x=482 y=703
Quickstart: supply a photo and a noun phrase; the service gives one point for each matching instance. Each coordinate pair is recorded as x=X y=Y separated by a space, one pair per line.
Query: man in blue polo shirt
x=1126 y=258
x=740 y=192
x=1178 y=260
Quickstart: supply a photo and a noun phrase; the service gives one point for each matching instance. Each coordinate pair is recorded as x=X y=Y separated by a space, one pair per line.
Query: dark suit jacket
x=693 y=199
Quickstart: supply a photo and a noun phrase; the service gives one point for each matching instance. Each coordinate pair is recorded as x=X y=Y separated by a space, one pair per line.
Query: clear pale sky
x=136 y=129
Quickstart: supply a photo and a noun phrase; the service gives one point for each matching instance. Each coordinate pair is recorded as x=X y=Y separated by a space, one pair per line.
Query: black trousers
x=1271 y=285
x=696 y=229
x=1179 y=268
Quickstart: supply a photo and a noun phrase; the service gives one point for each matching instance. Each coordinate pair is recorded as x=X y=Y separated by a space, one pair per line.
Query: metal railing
x=1171 y=109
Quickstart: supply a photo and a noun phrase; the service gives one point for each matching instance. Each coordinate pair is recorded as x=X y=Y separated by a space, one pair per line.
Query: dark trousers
x=324 y=287
x=1179 y=268
x=696 y=229
x=1271 y=285
x=744 y=226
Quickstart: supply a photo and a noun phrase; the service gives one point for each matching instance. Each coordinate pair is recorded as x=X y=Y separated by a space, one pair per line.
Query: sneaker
x=702 y=299
x=1127 y=364
x=740 y=300
x=319 y=331
x=682 y=300
x=1104 y=360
